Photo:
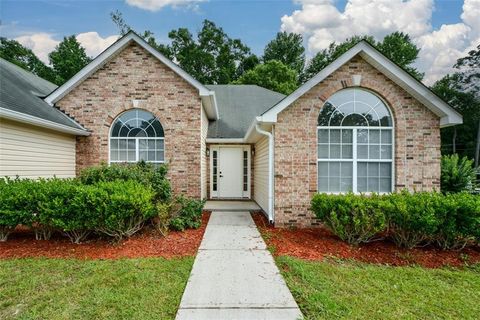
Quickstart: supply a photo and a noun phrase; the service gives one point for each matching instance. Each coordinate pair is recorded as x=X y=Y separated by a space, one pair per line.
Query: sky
x=444 y=30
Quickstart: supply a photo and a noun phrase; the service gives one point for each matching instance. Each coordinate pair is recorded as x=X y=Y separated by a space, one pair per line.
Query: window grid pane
x=336 y=145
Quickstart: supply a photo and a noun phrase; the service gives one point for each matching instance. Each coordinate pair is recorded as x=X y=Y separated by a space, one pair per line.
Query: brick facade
x=134 y=74
x=417 y=142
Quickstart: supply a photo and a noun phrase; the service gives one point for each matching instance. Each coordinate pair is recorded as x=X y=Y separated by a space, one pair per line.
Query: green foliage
x=288 y=49
x=187 y=214
x=355 y=219
x=452 y=221
x=396 y=46
x=273 y=75
x=413 y=219
x=461 y=138
x=144 y=173
x=460 y=221
x=116 y=208
x=14 y=52
x=128 y=205
x=457 y=174
x=163 y=217
x=67 y=59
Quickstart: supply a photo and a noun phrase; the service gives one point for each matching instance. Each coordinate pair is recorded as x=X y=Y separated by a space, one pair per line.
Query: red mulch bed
x=147 y=243
x=319 y=243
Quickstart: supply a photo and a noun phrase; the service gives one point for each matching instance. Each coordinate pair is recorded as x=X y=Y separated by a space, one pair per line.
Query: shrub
x=355 y=219
x=460 y=224
x=163 y=217
x=187 y=214
x=128 y=204
x=413 y=218
x=457 y=174
x=144 y=173
x=18 y=203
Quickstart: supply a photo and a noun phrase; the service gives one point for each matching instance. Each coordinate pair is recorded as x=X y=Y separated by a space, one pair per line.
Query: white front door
x=230 y=172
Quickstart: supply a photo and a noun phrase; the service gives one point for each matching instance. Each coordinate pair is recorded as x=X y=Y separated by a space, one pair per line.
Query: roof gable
x=208 y=97
x=448 y=116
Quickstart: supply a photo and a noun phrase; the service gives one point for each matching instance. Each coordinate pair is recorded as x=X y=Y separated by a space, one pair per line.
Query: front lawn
x=92 y=289
x=353 y=290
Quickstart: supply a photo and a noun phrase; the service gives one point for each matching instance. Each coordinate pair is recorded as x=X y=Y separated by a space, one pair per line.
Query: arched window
x=137 y=135
x=355 y=143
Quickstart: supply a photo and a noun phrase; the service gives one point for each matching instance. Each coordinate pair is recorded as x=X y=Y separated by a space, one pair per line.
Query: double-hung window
x=135 y=136
x=355 y=143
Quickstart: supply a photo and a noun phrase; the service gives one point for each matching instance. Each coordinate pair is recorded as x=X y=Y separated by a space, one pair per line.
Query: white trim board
x=208 y=96
x=26 y=118
x=448 y=116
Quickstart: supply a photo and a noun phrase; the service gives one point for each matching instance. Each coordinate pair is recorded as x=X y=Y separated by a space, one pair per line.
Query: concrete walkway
x=234 y=276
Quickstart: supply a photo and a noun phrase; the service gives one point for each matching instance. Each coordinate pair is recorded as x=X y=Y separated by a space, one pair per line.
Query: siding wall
x=33 y=152
x=260 y=177
x=203 y=156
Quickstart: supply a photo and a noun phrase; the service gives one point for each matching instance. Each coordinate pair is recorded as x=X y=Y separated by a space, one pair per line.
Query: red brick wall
x=134 y=74
x=417 y=142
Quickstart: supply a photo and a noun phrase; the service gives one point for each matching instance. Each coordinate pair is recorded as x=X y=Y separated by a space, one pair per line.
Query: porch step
x=231 y=205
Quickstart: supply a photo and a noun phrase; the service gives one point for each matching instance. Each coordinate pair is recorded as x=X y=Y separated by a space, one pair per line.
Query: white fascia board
x=28 y=119
x=448 y=116
x=102 y=58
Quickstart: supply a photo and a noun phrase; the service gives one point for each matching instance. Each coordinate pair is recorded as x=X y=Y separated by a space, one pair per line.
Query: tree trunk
x=454 y=140
x=477 y=148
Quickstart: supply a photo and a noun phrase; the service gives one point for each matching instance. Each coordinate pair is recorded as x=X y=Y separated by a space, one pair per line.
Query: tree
x=399 y=48
x=288 y=49
x=68 y=58
x=212 y=58
x=273 y=75
x=396 y=46
x=460 y=138
x=15 y=53
x=326 y=56
x=468 y=80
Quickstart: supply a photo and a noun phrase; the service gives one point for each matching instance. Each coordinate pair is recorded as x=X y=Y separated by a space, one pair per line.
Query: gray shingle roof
x=238 y=105
x=22 y=91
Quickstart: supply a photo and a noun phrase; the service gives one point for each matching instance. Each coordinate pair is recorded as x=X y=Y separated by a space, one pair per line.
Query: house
x=362 y=124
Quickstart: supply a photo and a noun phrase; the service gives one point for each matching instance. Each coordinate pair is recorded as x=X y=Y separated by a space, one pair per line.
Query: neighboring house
x=362 y=124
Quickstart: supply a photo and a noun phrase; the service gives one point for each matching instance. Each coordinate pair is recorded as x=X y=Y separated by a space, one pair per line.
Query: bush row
x=452 y=221
x=115 y=201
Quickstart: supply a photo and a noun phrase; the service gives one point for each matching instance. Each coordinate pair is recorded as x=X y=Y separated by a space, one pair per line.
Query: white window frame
x=355 y=160
x=137 y=144
x=137 y=149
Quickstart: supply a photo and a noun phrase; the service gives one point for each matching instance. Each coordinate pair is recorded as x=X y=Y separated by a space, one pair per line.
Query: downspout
x=269 y=135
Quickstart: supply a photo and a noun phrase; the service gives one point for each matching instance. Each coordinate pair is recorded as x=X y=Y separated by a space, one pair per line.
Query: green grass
x=349 y=290
x=92 y=289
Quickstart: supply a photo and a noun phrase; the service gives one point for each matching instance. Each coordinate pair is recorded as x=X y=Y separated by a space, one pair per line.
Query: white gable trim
x=207 y=96
x=448 y=116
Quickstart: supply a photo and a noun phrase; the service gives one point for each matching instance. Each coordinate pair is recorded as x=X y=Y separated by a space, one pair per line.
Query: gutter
x=25 y=118
x=271 y=210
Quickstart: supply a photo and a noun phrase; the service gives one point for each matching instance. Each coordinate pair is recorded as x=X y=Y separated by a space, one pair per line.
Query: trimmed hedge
x=117 y=209
x=115 y=201
x=355 y=219
x=451 y=221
